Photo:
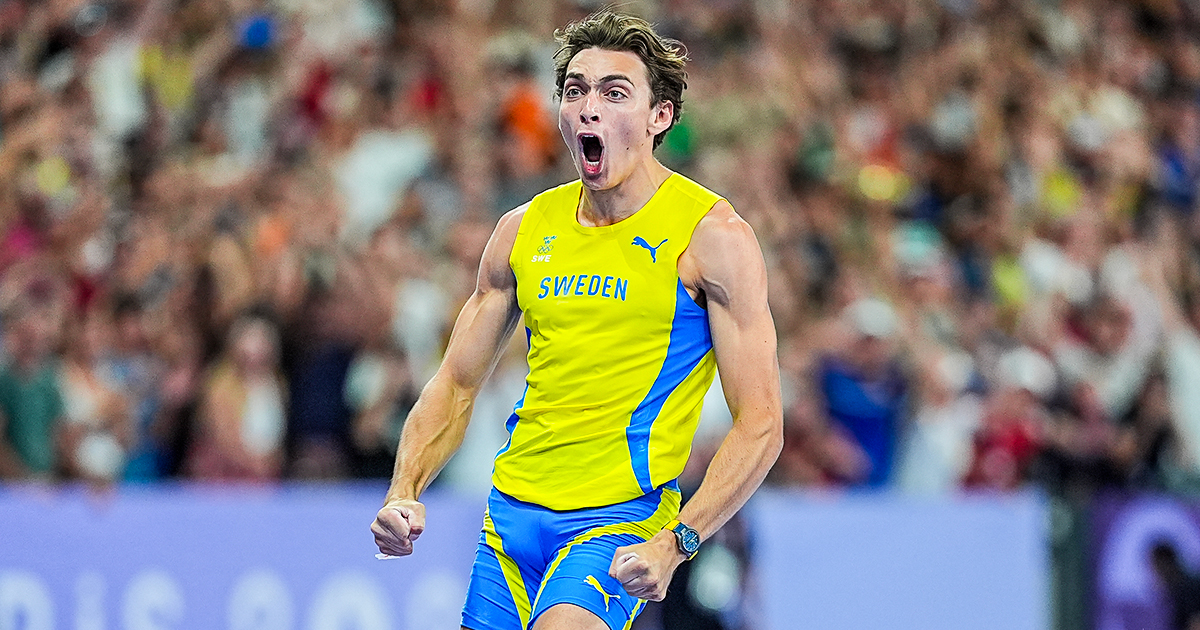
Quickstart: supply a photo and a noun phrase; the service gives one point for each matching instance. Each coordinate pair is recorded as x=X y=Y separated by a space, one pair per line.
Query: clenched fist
x=397 y=525
x=645 y=569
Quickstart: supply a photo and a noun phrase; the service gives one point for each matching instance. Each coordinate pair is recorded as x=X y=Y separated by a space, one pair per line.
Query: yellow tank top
x=620 y=355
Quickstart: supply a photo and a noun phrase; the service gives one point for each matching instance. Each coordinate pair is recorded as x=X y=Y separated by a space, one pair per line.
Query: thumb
x=415 y=519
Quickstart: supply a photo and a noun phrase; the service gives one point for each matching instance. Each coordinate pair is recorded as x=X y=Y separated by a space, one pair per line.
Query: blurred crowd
x=234 y=234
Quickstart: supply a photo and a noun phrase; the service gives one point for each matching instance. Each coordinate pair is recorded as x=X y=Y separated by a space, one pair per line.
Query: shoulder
x=510 y=222
x=722 y=225
x=496 y=267
x=723 y=258
x=723 y=242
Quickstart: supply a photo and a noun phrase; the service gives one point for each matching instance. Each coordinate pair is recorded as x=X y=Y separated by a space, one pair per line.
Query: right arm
x=437 y=423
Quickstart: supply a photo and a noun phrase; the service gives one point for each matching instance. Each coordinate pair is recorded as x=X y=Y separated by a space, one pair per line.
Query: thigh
x=506 y=573
x=578 y=577
x=569 y=617
x=492 y=603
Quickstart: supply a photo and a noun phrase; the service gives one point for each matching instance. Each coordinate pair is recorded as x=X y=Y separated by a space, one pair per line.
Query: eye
x=616 y=94
x=572 y=92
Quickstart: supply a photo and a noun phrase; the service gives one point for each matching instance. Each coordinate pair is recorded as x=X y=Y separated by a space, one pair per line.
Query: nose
x=589 y=112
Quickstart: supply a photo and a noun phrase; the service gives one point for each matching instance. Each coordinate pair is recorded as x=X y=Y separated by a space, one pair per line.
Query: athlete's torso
x=620 y=354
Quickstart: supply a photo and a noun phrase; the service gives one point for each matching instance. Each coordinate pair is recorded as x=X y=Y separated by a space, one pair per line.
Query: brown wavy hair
x=663 y=57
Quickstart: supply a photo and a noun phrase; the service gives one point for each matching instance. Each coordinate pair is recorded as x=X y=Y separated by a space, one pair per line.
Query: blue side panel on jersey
x=690 y=341
x=511 y=423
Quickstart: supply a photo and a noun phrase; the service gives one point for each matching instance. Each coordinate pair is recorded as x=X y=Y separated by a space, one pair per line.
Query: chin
x=599 y=181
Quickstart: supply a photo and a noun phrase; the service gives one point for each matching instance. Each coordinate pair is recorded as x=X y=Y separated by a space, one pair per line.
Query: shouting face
x=607 y=117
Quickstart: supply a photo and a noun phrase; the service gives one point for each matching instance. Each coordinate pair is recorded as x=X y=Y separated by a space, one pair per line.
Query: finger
x=416 y=521
x=632 y=570
x=394 y=523
x=620 y=558
x=389 y=544
x=395 y=547
x=645 y=590
x=383 y=534
x=392 y=552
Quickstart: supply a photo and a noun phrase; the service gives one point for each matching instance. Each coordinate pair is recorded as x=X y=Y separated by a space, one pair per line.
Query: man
x=634 y=285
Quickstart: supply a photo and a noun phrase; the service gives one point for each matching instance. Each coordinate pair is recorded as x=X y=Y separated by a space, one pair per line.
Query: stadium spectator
x=380 y=390
x=243 y=412
x=97 y=430
x=1015 y=423
x=135 y=368
x=998 y=172
x=865 y=388
x=31 y=403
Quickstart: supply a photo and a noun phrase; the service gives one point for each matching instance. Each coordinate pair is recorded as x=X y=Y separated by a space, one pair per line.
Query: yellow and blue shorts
x=530 y=558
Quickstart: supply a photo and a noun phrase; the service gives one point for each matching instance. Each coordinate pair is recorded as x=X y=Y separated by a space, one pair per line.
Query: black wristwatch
x=686 y=538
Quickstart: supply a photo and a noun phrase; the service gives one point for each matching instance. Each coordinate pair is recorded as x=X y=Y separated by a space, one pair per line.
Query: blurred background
x=234 y=235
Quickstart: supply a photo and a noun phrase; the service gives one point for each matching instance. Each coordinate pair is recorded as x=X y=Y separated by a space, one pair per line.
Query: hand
x=645 y=569
x=397 y=525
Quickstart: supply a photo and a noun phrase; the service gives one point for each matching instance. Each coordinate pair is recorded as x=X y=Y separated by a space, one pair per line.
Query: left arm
x=725 y=263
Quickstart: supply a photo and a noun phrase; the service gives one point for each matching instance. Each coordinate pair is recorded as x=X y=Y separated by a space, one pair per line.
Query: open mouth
x=592 y=150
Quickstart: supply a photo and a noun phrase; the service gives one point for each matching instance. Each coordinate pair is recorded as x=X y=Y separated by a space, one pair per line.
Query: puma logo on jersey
x=641 y=242
x=596 y=583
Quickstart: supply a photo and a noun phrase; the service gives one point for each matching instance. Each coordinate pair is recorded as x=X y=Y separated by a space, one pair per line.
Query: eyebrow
x=611 y=77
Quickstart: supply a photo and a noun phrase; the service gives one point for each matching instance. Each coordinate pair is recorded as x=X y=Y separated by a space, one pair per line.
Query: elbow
x=775 y=440
x=769 y=436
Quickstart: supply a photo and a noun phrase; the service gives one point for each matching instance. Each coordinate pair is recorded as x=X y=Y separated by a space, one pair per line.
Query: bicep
x=745 y=346
x=734 y=278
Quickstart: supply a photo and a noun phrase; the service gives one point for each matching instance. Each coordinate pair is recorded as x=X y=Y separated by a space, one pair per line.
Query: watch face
x=690 y=540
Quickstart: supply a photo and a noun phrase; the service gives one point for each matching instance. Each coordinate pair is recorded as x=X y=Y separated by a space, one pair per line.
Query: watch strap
x=673 y=526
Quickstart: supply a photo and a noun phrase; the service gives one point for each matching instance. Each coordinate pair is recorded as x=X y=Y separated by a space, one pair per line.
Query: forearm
x=741 y=463
x=433 y=432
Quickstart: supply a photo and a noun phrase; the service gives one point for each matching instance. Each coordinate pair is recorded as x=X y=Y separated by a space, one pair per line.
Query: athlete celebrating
x=635 y=285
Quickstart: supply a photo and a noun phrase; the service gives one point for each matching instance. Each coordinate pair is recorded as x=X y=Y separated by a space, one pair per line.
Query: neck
x=611 y=205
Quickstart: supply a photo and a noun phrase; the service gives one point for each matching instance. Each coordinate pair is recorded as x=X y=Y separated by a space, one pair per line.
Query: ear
x=660 y=117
